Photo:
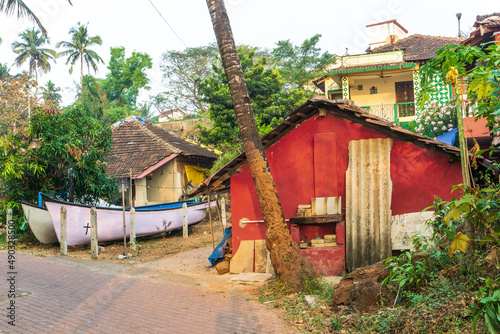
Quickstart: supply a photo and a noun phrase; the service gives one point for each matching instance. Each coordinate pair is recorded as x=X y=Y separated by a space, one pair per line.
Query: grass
x=440 y=307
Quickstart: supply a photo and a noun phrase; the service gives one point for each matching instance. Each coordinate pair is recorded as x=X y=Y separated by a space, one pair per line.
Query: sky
x=136 y=25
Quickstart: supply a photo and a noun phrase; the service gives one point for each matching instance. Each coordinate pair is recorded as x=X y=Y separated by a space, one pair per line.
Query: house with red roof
x=386 y=79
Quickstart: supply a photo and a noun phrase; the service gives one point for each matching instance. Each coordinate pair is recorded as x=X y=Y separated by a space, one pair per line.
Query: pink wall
x=417 y=174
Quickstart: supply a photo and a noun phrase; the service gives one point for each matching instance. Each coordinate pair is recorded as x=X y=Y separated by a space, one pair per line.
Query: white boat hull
x=110 y=221
x=40 y=223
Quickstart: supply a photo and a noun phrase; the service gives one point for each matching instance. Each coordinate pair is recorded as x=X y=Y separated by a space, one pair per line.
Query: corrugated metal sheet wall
x=368 y=202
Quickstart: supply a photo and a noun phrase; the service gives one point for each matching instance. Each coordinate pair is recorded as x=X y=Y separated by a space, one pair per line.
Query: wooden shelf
x=327 y=219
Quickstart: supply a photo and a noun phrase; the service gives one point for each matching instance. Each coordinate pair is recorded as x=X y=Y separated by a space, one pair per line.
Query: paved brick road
x=68 y=299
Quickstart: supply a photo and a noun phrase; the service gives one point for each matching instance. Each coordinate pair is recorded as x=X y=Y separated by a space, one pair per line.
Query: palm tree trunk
x=81 y=74
x=288 y=262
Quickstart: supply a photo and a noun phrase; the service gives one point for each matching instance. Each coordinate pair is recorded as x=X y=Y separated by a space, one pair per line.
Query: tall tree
x=14 y=105
x=126 y=76
x=55 y=142
x=11 y=7
x=50 y=93
x=300 y=64
x=79 y=49
x=183 y=71
x=288 y=262
x=31 y=50
x=270 y=100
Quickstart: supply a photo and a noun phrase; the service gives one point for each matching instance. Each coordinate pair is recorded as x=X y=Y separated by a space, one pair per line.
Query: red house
x=360 y=182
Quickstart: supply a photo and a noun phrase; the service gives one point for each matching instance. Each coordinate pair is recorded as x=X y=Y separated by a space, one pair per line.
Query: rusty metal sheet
x=368 y=202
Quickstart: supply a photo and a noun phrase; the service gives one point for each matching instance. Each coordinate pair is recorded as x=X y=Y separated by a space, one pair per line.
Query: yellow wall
x=166 y=184
x=141 y=192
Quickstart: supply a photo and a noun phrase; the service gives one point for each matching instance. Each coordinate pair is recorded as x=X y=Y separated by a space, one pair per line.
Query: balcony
x=399 y=113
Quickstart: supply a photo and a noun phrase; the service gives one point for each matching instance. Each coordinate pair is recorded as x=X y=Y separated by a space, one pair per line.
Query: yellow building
x=160 y=164
x=386 y=79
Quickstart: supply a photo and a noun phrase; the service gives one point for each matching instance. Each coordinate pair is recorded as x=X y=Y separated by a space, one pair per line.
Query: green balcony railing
x=404 y=110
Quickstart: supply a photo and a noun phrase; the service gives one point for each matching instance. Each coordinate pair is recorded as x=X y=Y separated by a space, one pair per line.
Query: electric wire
x=180 y=39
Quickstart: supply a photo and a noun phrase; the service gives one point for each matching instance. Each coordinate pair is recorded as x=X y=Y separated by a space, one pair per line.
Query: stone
x=311 y=300
x=375 y=272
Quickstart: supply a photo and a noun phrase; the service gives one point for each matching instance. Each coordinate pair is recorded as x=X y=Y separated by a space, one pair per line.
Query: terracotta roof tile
x=419 y=47
x=138 y=147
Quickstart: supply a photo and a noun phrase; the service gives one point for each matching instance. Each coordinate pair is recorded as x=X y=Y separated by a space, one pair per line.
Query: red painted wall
x=417 y=174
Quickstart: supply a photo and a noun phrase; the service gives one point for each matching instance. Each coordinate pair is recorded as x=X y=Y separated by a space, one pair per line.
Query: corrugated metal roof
x=368 y=202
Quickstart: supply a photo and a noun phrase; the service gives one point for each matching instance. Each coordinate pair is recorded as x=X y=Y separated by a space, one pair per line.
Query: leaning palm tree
x=50 y=93
x=30 y=49
x=288 y=262
x=12 y=6
x=78 y=49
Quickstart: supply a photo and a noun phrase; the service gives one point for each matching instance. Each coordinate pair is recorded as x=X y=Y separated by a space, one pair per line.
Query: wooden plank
x=184 y=221
x=64 y=231
x=260 y=256
x=326 y=219
x=242 y=261
x=94 y=247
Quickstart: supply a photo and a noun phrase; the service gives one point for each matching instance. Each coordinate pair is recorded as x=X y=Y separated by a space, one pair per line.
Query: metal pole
x=124 y=224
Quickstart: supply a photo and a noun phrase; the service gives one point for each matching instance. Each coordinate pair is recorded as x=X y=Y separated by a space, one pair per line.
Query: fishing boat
x=40 y=223
x=150 y=220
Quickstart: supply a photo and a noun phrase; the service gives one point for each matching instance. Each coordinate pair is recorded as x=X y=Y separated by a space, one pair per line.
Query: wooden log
x=222 y=267
x=64 y=232
x=185 y=229
x=9 y=217
x=94 y=247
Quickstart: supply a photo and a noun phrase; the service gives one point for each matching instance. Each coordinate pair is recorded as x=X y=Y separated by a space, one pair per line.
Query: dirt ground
x=168 y=258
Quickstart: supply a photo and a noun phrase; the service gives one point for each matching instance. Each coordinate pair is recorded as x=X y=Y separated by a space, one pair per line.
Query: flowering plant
x=435 y=120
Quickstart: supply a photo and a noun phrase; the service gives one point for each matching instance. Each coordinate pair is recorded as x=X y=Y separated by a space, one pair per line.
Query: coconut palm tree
x=30 y=49
x=288 y=262
x=78 y=49
x=51 y=92
x=11 y=7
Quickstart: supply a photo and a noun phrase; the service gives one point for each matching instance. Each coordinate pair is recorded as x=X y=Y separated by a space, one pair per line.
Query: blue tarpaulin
x=218 y=253
x=448 y=137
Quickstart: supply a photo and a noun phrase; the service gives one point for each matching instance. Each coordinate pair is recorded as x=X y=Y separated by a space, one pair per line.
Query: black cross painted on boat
x=87 y=228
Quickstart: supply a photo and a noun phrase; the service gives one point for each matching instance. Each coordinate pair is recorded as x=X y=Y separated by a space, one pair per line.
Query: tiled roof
x=219 y=181
x=419 y=47
x=139 y=146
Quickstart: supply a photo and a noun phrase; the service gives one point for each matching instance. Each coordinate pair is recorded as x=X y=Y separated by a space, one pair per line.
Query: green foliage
x=476 y=67
x=115 y=97
x=50 y=94
x=126 y=76
x=407 y=273
x=30 y=50
x=79 y=49
x=487 y=306
x=298 y=65
x=269 y=99
x=183 y=71
x=55 y=142
x=435 y=120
